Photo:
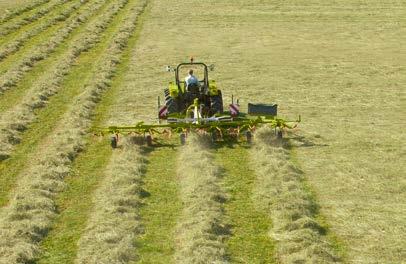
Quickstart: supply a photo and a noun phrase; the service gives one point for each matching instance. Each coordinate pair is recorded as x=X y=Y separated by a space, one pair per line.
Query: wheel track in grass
x=75 y=204
x=27 y=218
x=161 y=206
x=18 y=69
x=19 y=23
x=48 y=118
x=249 y=241
x=20 y=11
x=55 y=18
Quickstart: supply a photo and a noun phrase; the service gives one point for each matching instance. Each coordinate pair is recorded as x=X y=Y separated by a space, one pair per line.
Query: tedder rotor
x=198 y=106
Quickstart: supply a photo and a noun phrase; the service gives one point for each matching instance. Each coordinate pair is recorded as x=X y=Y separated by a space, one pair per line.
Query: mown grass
x=161 y=206
x=16 y=8
x=12 y=96
x=281 y=190
x=16 y=47
x=75 y=204
x=47 y=118
x=31 y=26
x=34 y=197
x=20 y=23
x=339 y=66
x=18 y=70
x=249 y=241
x=201 y=230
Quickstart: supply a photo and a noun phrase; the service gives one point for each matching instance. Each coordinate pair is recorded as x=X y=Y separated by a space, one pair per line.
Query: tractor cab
x=179 y=95
x=200 y=71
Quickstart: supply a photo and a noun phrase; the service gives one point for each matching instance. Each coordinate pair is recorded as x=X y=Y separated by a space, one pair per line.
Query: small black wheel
x=248 y=135
x=148 y=138
x=214 y=136
x=279 y=134
x=113 y=142
x=182 y=137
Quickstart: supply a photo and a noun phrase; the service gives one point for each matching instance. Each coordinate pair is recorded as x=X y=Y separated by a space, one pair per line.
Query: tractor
x=179 y=95
x=198 y=107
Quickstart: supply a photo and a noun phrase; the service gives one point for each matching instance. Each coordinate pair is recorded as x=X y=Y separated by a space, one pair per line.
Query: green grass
x=249 y=242
x=161 y=208
x=339 y=66
x=37 y=39
x=13 y=96
x=75 y=204
x=47 y=118
x=11 y=4
x=336 y=242
x=30 y=25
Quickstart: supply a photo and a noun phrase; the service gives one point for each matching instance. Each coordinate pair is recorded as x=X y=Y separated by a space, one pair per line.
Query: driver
x=191 y=79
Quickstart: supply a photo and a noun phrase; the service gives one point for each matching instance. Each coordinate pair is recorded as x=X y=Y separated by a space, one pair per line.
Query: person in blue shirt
x=191 y=79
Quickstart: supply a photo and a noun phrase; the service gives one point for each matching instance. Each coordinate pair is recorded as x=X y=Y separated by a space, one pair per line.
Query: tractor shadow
x=300 y=141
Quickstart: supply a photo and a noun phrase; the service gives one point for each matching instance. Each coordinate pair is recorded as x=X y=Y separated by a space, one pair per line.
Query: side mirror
x=211 y=67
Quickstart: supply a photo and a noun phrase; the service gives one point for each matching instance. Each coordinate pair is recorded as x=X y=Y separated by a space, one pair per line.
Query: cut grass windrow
x=10 y=78
x=7 y=28
x=14 y=121
x=282 y=192
x=114 y=223
x=61 y=16
x=28 y=216
x=201 y=231
x=75 y=202
x=19 y=11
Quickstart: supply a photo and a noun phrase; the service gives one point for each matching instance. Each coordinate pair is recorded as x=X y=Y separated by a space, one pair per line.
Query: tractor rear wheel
x=170 y=102
x=171 y=105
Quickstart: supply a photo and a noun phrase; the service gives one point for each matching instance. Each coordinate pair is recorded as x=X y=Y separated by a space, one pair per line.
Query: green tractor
x=180 y=94
x=198 y=107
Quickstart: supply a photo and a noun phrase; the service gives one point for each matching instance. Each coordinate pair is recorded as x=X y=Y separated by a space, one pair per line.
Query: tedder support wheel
x=148 y=138
x=182 y=137
x=248 y=135
x=113 y=141
x=280 y=134
x=214 y=136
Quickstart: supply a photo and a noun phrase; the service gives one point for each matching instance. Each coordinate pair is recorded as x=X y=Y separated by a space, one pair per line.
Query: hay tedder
x=198 y=107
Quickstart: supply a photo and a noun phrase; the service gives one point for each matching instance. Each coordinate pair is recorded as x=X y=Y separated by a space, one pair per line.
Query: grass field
x=18 y=4
x=333 y=191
